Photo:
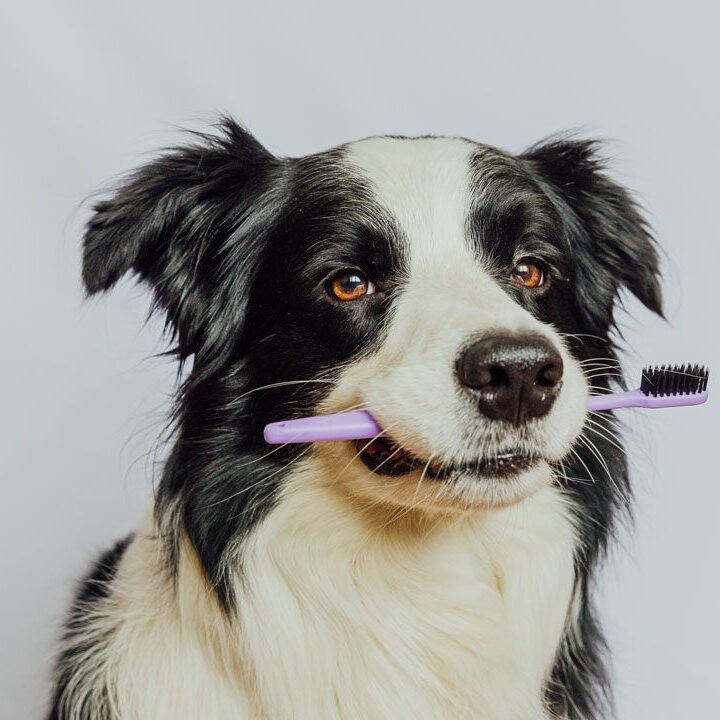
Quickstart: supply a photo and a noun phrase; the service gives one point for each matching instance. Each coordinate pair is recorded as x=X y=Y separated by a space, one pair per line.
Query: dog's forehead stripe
x=426 y=185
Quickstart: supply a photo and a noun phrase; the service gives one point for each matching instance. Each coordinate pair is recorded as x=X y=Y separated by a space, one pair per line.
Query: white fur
x=346 y=614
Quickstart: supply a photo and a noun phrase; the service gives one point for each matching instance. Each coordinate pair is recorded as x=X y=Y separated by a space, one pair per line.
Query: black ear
x=608 y=239
x=190 y=224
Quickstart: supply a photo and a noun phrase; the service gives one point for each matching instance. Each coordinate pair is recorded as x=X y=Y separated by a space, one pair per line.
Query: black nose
x=514 y=377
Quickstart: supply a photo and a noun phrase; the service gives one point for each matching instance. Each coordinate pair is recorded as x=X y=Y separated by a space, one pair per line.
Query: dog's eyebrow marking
x=355 y=229
x=425 y=185
x=508 y=208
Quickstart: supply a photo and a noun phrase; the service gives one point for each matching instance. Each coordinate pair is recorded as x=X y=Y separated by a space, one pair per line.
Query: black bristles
x=674 y=380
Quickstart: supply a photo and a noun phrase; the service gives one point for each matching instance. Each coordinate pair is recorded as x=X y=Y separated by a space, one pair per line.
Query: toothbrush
x=671 y=386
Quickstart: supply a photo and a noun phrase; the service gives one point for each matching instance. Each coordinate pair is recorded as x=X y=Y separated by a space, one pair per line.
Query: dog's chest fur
x=342 y=618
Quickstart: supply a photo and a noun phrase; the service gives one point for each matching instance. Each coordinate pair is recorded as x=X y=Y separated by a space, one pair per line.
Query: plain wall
x=88 y=89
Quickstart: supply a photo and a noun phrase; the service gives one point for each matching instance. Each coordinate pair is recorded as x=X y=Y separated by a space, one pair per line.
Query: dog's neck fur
x=340 y=614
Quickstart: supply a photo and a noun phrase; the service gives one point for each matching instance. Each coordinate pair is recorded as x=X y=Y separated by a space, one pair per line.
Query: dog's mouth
x=385 y=457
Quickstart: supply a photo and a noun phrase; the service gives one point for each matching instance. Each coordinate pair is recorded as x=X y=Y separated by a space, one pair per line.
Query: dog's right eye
x=529 y=273
x=347 y=285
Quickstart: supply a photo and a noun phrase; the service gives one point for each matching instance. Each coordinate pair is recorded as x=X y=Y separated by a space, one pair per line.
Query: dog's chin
x=382 y=472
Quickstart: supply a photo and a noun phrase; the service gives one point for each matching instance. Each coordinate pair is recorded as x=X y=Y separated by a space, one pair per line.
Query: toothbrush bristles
x=674 y=380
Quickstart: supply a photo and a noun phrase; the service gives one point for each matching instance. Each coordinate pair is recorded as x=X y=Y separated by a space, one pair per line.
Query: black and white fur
x=295 y=582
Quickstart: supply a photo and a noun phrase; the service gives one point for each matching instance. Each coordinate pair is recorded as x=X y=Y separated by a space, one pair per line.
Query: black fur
x=609 y=247
x=235 y=245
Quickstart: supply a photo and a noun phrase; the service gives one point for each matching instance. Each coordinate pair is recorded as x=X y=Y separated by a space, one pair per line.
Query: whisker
x=580 y=335
x=284 y=383
x=592 y=360
x=605 y=437
x=414 y=501
x=262 y=480
x=388 y=458
x=422 y=476
x=596 y=453
x=593 y=449
x=592 y=376
x=577 y=456
x=365 y=447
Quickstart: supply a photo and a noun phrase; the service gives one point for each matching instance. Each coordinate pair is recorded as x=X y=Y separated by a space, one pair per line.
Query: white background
x=88 y=89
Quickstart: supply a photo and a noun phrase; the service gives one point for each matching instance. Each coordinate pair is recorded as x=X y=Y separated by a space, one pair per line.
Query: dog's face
x=452 y=290
x=433 y=288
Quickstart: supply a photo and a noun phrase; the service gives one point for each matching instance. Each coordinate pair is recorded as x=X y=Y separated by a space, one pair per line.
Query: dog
x=463 y=295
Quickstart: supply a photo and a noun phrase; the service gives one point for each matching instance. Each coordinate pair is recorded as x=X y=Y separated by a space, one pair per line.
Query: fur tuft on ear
x=189 y=224
x=106 y=259
x=604 y=228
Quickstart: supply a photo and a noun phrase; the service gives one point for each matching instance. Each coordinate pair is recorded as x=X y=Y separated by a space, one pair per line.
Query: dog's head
x=453 y=290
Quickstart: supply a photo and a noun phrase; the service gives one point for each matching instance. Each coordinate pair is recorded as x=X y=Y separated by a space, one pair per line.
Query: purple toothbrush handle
x=360 y=425
x=637 y=398
x=355 y=425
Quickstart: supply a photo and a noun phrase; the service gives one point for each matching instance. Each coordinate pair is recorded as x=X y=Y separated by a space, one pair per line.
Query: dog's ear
x=190 y=224
x=608 y=240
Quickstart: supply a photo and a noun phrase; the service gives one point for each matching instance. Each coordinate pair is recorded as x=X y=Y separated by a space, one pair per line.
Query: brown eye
x=528 y=274
x=349 y=285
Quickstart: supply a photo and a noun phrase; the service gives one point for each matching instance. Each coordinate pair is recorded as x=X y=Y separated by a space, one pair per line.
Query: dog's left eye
x=348 y=285
x=529 y=273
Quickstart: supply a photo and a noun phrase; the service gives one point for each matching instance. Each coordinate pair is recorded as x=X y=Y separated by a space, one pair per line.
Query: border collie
x=463 y=295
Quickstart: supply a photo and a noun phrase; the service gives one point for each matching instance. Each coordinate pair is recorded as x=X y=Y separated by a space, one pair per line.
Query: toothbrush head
x=674 y=380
